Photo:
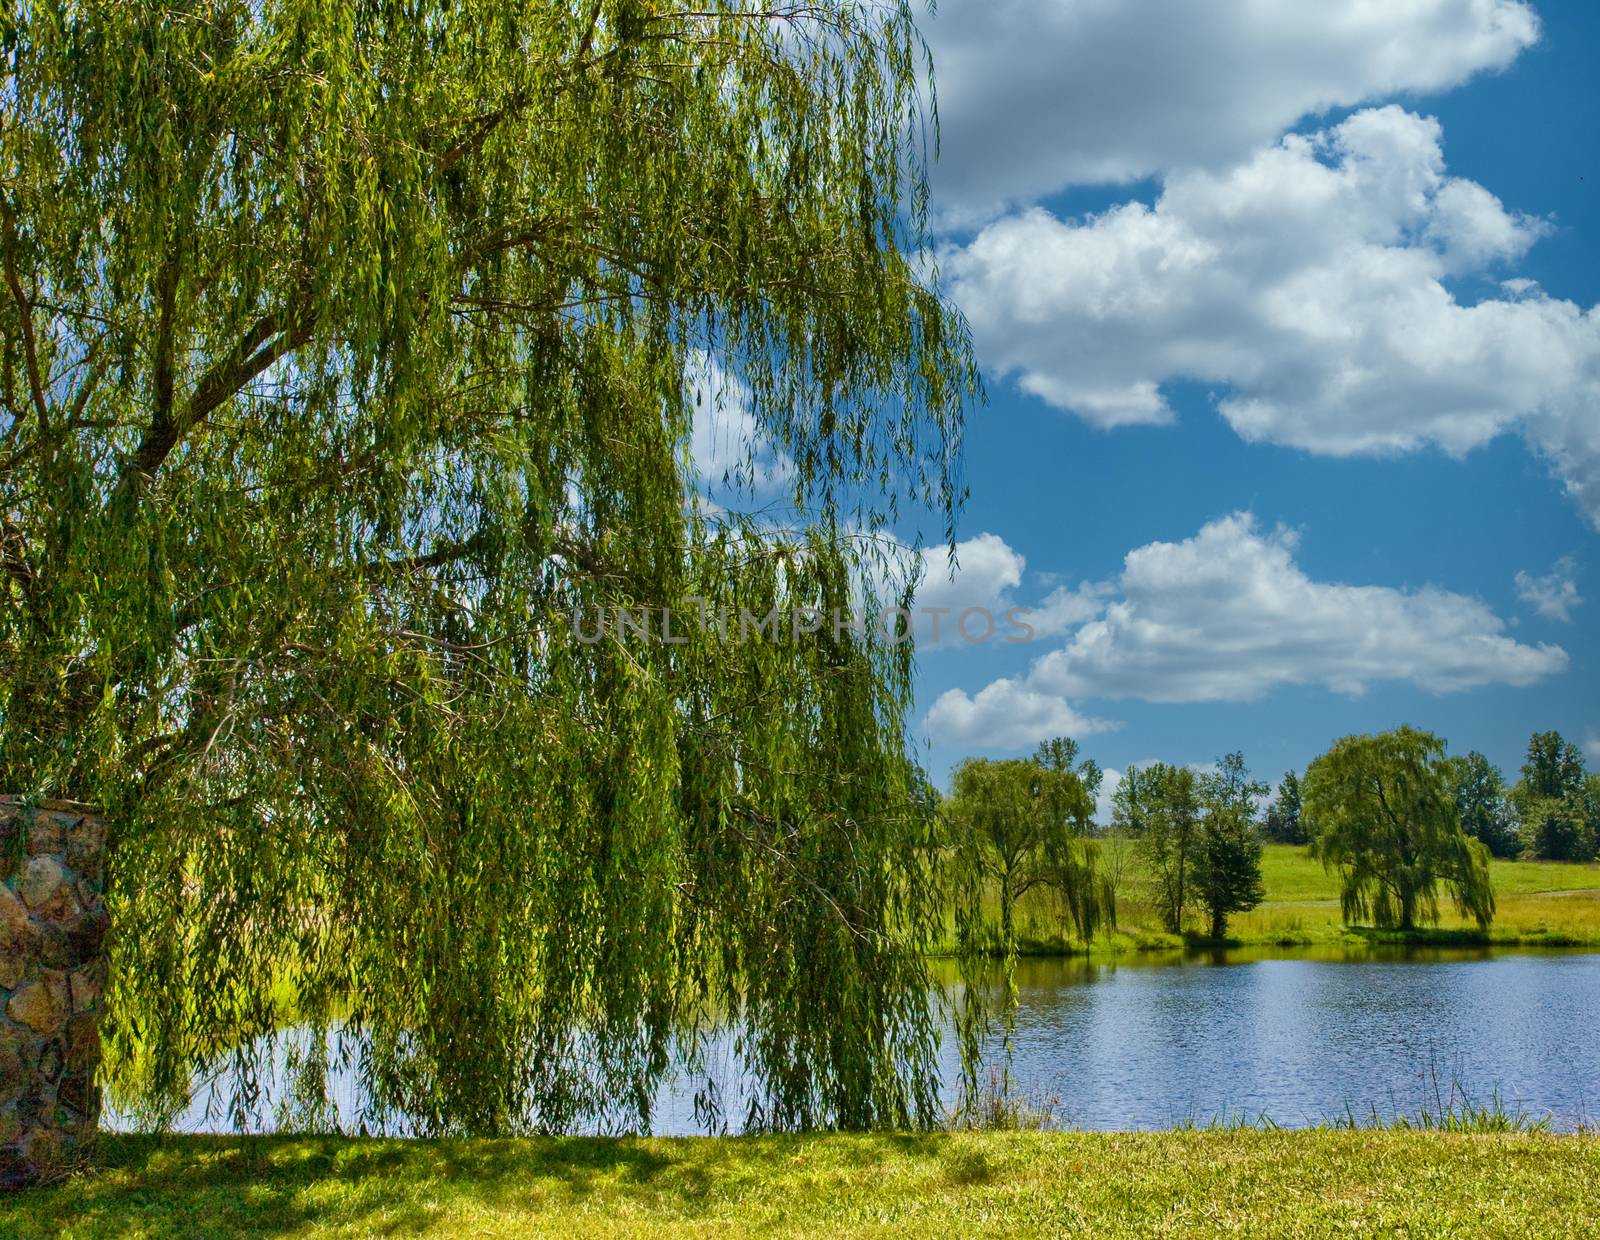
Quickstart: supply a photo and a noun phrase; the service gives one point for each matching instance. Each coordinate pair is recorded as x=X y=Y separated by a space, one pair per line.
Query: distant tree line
x=1555 y=806
x=1394 y=814
x=1551 y=814
x=1198 y=836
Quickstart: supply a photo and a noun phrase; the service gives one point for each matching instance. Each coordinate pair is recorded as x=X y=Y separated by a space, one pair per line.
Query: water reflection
x=1301 y=1037
x=1312 y=1037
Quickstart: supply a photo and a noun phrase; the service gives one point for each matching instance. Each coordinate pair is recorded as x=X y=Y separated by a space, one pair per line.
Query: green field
x=1186 y=1183
x=1549 y=903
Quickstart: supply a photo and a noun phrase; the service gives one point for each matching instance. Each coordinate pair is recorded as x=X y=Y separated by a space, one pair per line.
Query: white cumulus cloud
x=987 y=569
x=986 y=577
x=1006 y=714
x=1554 y=594
x=1035 y=95
x=1312 y=283
x=1110 y=781
x=1229 y=615
x=727 y=446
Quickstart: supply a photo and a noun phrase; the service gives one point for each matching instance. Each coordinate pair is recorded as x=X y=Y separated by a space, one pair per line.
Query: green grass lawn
x=1546 y=903
x=1194 y=1183
x=1291 y=873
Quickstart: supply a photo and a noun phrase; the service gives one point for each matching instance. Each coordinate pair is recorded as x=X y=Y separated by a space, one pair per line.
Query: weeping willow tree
x=346 y=365
x=1383 y=813
x=1020 y=825
x=1014 y=827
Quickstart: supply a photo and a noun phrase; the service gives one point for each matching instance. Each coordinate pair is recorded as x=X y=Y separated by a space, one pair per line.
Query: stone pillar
x=52 y=973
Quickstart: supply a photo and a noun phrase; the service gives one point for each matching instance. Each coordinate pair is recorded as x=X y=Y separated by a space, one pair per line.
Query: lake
x=1302 y=1039
x=1296 y=1037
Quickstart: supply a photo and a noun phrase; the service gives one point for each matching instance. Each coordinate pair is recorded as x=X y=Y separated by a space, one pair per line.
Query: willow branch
x=30 y=352
x=264 y=343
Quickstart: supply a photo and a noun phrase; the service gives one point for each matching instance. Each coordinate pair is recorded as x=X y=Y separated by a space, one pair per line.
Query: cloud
x=1005 y=714
x=1037 y=96
x=1311 y=283
x=1228 y=615
x=987 y=576
x=1064 y=609
x=1110 y=781
x=1591 y=747
x=987 y=570
x=730 y=453
x=1555 y=594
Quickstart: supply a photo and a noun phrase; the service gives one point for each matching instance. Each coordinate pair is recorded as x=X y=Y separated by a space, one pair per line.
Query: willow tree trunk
x=53 y=925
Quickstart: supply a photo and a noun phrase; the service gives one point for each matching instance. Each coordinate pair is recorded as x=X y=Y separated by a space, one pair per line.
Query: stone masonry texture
x=53 y=924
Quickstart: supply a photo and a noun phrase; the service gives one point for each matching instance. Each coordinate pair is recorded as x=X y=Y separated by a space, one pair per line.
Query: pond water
x=1299 y=1038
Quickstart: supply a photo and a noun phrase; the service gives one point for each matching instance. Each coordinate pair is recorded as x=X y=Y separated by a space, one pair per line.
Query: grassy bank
x=1540 y=903
x=1173 y=1183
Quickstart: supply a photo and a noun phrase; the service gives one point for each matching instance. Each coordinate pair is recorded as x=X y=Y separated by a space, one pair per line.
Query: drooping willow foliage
x=1022 y=824
x=1383 y=814
x=1014 y=827
x=345 y=353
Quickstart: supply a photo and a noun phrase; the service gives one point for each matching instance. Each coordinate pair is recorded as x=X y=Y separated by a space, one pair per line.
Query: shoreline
x=1354 y=939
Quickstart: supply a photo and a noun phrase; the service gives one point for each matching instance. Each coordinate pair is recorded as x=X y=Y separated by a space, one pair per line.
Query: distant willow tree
x=347 y=353
x=1014 y=827
x=1020 y=825
x=1384 y=814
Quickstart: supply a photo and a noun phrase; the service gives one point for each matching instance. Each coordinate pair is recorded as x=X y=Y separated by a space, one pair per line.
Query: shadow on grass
x=272 y=1186
x=286 y=1186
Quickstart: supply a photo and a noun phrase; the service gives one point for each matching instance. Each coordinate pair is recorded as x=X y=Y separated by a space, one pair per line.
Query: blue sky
x=1288 y=317
x=1433 y=519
